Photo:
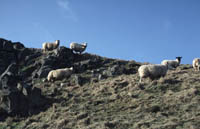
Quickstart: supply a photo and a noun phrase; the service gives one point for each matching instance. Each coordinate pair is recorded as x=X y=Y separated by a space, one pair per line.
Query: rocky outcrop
x=21 y=68
x=16 y=96
x=11 y=52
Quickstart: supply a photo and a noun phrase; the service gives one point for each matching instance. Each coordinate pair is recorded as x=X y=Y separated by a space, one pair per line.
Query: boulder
x=6 y=45
x=18 y=45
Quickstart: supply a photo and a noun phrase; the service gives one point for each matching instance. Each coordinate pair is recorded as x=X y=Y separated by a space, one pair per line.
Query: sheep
x=78 y=47
x=172 y=63
x=152 y=71
x=196 y=64
x=50 y=46
x=59 y=74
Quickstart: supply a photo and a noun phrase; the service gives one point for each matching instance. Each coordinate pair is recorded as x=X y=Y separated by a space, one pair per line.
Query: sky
x=140 y=30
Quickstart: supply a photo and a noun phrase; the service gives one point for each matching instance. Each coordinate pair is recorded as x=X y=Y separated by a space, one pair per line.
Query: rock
x=7 y=54
x=114 y=70
x=64 y=53
x=78 y=80
x=29 y=59
x=154 y=109
x=49 y=61
x=64 y=56
x=88 y=64
x=16 y=102
x=12 y=97
x=35 y=97
x=44 y=71
x=18 y=45
x=6 y=45
x=17 y=97
x=9 y=80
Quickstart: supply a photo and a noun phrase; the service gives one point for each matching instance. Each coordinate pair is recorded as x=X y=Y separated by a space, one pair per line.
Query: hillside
x=102 y=93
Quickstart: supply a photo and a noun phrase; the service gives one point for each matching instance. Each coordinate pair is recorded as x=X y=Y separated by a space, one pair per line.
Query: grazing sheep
x=172 y=63
x=196 y=64
x=59 y=74
x=78 y=47
x=50 y=46
x=152 y=71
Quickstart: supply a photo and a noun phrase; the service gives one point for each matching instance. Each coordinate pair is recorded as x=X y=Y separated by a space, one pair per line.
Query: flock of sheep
x=151 y=71
x=65 y=72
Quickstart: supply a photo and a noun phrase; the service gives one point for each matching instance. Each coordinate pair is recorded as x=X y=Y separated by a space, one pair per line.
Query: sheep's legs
x=140 y=79
x=196 y=68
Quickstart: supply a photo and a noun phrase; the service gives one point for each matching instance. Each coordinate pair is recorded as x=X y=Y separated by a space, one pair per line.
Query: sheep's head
x=84 y=44
x=179 y=58
x=57 y=42
x=71 y=68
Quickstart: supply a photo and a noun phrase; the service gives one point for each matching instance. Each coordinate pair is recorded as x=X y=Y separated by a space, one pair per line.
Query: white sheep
x=50 y=46
x=59 y=74
x=172 y=63
x=196 y=64
x=78 y=47
x=152 y=71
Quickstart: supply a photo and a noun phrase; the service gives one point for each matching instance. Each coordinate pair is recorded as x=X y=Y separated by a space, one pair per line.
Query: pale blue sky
x=141 y=30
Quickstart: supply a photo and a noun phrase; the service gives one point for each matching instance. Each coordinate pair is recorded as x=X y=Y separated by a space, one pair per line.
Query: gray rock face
x=11 y=52
x=8 y=89
x=43 y=72
x=17 y=97
x=8 y=80
x=6 y=45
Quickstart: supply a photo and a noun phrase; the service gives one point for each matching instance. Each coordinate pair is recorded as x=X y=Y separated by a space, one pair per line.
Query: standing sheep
x=78 y=47
x=172 y=63
x=59 y=74
x=50 y=46
x=196 y=64
x=152 y=71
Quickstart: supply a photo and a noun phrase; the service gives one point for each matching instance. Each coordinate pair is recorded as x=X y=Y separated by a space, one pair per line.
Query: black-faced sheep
x=50 y=46
x=196 y=64
x=153 y=71
x=172 y=63
x=78 y=47
x=59 y=74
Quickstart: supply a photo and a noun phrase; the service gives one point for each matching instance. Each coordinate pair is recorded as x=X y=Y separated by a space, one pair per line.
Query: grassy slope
x=120 y=102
